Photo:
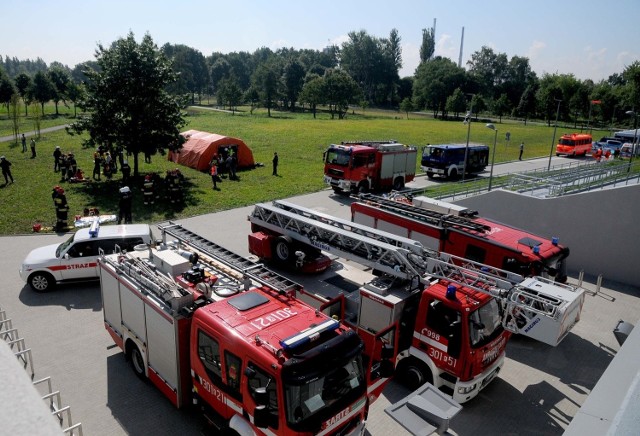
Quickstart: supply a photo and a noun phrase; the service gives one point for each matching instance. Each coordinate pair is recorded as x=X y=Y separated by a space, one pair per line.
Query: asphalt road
x=538 y=392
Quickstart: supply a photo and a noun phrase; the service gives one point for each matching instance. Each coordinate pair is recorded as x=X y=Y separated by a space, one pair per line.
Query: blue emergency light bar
x=95 y=227
x=309 y=335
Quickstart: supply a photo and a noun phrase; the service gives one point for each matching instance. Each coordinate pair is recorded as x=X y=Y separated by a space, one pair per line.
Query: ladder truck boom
x=544 y=302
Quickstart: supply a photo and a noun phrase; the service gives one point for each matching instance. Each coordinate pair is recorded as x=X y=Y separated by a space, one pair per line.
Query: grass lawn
x=298 y=138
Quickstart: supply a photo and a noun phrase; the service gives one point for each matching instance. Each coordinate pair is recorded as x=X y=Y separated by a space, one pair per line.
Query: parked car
x=76 y=258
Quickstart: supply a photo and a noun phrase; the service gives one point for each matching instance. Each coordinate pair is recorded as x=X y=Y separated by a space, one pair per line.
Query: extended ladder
x=255 y=271
x=431 y=217
x=408 y=259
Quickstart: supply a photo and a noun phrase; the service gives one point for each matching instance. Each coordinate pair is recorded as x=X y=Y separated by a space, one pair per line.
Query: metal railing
x=17 y=344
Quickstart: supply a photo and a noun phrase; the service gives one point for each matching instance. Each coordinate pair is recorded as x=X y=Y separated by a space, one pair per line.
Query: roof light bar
x=309 y=335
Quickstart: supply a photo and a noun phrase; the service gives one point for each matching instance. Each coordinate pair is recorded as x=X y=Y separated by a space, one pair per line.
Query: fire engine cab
x=206 y=325
x=363 y=166
x=454 y=316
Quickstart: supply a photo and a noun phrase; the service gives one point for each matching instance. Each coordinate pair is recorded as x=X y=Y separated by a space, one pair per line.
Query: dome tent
x=199 y=148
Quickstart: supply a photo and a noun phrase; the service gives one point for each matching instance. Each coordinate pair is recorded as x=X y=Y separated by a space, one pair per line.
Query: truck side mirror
x=260 y=396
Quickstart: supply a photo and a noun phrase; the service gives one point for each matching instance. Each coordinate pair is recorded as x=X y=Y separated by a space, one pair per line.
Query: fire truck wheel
x=41 y=282
x=283 y=249
x=413 y=373
x=398 y=184
x=137 y=362
x=337 y=190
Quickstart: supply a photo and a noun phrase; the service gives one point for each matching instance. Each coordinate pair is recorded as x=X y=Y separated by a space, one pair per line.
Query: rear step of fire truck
x=255 y=271
x=535 y=307
x=424 y=215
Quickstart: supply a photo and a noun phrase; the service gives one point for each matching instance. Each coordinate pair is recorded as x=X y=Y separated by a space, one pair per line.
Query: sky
x=590 y=39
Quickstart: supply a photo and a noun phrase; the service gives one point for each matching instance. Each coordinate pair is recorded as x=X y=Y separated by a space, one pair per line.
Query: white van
x=77 y=258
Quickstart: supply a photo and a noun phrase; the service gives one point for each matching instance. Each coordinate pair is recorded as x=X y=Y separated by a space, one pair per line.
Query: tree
x=7 y=89
x=191 y=67
x=42 y=89
x=489 y=71
x=75 y=93
x=406 y=106
x=428 y=46
x=528 y=101
x=340 y=90
x=435 y=81
x=293 y=81
x=266 y=82
x=456 y=102
x=23 y=83
x=313 y=92
x=631 y=75
x=229 y=92
x=500 y=106
x=127 y=101
x=60 y=80
x=14 y=115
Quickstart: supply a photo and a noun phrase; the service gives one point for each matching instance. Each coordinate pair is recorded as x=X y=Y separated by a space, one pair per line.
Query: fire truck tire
x=137 y=361
x=398 y=184
x=430 y=174
x=337 y=190
x=413 y=373
x=41 y=282
x=283 y=249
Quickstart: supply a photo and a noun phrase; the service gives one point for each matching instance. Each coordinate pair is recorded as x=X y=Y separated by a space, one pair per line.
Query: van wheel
x=41 y=282
x=453 y=174
x=430 y=174
x=137 y=362
x=398 y=184
x=413 y=373
x=282 y=249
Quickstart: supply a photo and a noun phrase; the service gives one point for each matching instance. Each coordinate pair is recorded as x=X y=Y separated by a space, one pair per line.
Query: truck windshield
x=337 y=156
x=321 y=397
x=485 y=324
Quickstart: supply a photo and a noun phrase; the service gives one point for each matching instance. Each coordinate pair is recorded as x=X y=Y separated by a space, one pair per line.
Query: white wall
x=601 y=228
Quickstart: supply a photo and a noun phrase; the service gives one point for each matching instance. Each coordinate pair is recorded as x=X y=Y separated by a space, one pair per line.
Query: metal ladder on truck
x=542 y=301
x=427 y=216
x=253 y=270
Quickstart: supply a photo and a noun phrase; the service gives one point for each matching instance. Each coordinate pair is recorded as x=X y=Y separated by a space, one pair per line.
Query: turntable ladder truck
x=452 y=229
x=209 y=327
x=455 y=316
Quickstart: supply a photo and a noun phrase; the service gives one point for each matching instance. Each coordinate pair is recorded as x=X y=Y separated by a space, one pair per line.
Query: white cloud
x=410 y=59
x=535 y=49
x=445 y=47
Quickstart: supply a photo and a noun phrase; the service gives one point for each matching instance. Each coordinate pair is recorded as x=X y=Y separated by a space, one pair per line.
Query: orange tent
x=200 y=147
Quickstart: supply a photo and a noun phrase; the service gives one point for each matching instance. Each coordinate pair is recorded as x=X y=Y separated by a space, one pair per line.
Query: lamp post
x=493 y=153
x=467 y=120
x=553 y=141
x=635 y=135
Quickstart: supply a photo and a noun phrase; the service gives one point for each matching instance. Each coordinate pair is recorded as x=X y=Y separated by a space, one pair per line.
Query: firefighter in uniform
x=147 y=190
x=62 y=208
x=63 y=168
x=126 y=198
x=126 y=171
x=173 y=182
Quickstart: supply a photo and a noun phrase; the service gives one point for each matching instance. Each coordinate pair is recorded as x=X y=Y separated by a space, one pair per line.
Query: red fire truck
x=363 y=166
x=455 y=230
x=205 y=325
x=454 y=316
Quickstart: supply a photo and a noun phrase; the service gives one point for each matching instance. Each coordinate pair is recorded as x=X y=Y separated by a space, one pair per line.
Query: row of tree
x=363 y=71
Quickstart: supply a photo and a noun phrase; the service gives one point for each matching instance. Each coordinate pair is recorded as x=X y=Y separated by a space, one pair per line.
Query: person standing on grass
x=521 y=150
x=274 y=161
x=24 y=143
x=214 y=173
x=33 y=148
x=56 y=159
x=6 y=170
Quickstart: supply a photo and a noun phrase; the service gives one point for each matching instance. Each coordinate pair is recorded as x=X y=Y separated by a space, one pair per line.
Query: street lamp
x=635 y=135
x=493 y=153
x=553 y=141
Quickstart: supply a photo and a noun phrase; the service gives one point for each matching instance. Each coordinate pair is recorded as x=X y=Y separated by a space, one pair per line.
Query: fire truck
x=454 y=315
x=363 y=166
x=456 y=230
x=207 y=326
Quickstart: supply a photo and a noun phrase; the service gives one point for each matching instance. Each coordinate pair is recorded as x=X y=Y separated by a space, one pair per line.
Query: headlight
x=466 y=390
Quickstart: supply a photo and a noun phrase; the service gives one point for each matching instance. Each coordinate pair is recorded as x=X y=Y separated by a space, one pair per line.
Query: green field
x=298 y=138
